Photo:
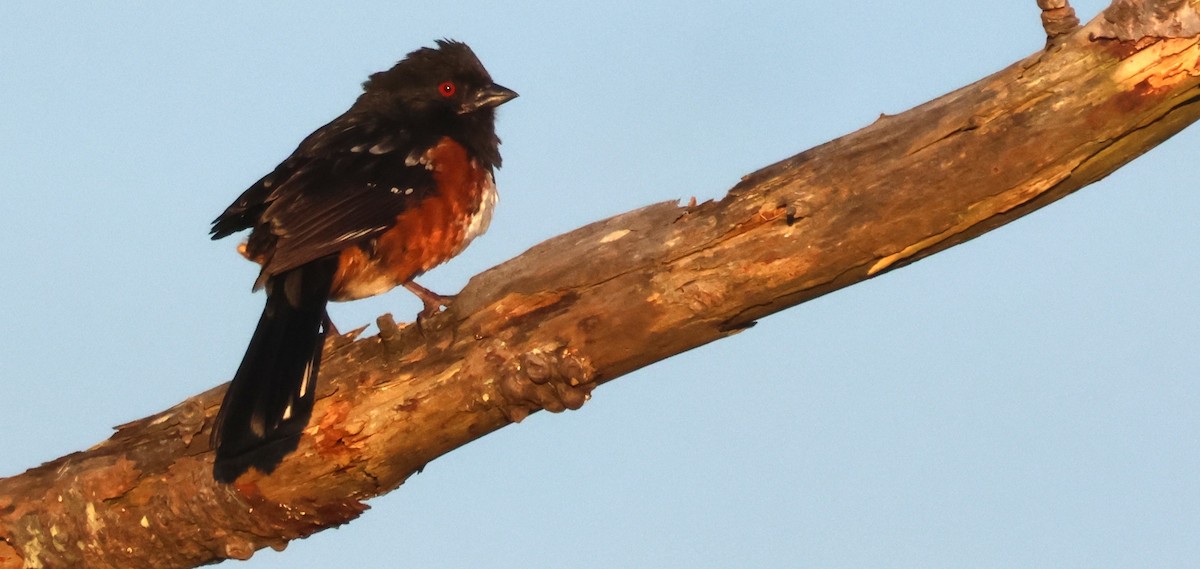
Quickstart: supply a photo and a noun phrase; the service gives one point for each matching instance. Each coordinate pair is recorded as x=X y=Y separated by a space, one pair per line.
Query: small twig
x=1058 y=19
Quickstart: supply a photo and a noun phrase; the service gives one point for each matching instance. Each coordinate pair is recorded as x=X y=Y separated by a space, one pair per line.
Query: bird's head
x=447 y=79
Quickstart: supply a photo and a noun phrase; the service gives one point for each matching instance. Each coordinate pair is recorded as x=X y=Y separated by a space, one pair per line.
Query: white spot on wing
x=352 y=235
x=382 y=147
x=304 y=384
x=412 y=159
x=418 y=156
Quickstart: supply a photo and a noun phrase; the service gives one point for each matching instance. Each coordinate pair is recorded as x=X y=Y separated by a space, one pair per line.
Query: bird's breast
x=426 y=234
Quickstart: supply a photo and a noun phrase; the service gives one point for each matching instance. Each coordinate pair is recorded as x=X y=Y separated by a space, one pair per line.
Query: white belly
x=482 y=218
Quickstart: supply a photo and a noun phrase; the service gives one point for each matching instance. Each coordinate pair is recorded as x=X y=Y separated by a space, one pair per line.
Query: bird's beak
x=491 y=96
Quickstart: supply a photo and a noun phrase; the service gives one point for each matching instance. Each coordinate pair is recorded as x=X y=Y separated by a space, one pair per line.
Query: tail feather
x=270 y=399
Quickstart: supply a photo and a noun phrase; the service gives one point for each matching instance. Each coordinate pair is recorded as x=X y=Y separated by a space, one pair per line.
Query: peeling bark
x=542 y=330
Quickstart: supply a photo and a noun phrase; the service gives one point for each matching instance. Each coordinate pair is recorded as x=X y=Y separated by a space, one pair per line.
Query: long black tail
x=270 y=399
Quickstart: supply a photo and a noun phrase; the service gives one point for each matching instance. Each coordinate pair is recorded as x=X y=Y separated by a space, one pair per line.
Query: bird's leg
x=433 y=301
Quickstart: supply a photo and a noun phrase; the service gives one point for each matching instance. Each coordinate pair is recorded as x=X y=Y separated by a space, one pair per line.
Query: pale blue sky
x=1029 y=399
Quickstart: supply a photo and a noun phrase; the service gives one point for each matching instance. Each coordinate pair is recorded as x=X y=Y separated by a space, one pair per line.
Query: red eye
x=447 y=89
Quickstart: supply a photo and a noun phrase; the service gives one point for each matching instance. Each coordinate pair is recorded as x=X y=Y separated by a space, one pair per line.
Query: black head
x=446 y=80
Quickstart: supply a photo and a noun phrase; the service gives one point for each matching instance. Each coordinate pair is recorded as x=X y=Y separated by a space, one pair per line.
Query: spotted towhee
x=396 y=185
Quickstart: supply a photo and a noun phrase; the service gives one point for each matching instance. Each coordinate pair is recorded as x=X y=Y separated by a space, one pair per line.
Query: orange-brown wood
x=540 y=331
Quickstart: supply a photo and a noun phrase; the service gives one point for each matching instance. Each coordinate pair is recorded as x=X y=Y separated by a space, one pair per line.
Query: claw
x=434 y=302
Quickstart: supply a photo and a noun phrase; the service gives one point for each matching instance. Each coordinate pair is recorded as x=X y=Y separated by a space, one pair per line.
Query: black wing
x=344 y=184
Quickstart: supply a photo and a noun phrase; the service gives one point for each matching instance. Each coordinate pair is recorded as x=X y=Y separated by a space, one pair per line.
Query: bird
x=399 y=183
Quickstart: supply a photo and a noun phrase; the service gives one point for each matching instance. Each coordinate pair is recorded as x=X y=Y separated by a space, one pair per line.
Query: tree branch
x=542 y=330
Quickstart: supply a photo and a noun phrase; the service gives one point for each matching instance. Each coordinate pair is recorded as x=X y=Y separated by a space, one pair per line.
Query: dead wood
x=542 y=330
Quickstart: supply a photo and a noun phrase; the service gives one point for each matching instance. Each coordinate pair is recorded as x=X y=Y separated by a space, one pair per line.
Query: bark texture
x=542 y=330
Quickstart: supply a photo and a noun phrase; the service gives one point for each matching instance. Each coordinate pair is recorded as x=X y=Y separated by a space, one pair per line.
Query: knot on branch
x=1058 y=19
x=554 y=378
x=237 y=547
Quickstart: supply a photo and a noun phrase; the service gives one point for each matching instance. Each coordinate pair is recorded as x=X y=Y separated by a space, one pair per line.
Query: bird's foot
x=434 y=302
